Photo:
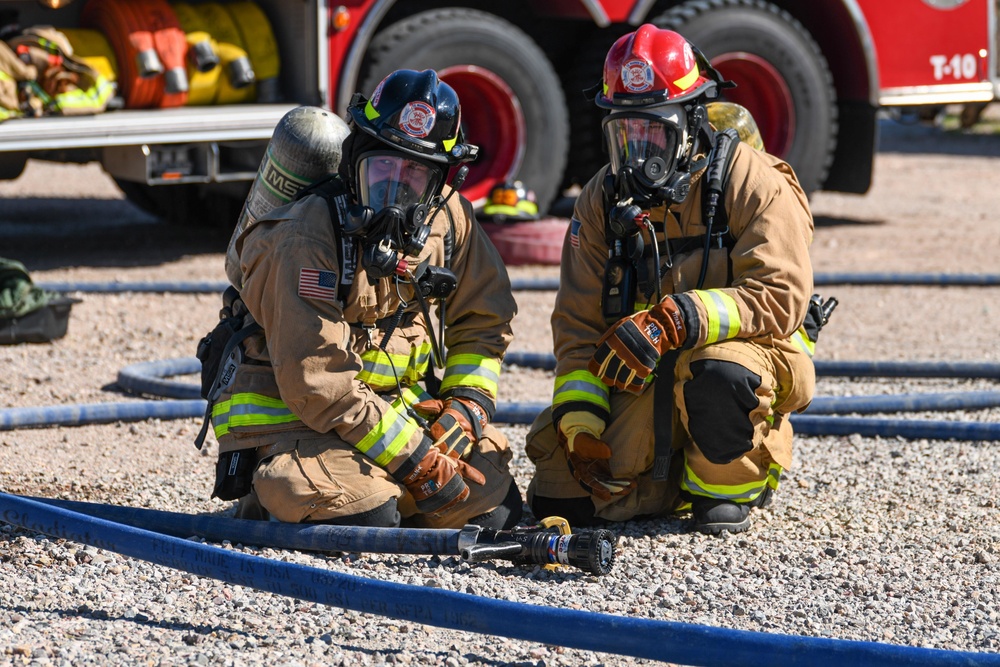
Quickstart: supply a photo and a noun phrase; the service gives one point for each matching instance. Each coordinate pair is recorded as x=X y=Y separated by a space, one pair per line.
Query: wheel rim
x=492 y=119
x=763 y=91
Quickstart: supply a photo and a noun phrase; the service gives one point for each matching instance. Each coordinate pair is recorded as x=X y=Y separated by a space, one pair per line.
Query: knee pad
x=579 y=512
x=385 y=515
x=719 y=400
x=505 y=515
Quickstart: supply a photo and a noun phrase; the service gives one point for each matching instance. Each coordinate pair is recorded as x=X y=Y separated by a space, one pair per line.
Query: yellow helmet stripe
x=688 y=79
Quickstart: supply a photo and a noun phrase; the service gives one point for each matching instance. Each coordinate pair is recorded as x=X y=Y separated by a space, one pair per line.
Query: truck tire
x=512 y=101
x=780 y=72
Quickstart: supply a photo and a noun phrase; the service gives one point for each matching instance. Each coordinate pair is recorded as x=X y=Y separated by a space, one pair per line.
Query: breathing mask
x=395 y=192
x=647 y=152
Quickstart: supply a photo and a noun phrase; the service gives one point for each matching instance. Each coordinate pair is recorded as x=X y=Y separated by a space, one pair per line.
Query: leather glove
x=458 y=423
x=437 y=484
x=627 y=354
x=588 y=456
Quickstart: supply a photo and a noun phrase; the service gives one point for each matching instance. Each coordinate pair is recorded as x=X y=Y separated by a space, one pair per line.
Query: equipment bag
x=29 y=314
x=221 y=353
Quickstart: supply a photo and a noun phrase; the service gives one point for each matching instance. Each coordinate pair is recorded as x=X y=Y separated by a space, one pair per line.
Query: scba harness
x=221 y=351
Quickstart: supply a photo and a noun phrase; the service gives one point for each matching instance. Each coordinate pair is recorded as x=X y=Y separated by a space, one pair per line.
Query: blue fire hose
x=667 y=641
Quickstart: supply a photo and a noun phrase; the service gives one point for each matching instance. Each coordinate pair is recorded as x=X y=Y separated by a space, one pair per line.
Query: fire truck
x=815 y=76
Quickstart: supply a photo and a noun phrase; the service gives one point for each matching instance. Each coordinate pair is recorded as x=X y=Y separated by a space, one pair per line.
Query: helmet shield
x=393 y=179
x=645 y=142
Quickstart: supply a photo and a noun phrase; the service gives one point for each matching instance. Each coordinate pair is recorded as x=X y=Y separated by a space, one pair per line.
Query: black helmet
x=416 y=113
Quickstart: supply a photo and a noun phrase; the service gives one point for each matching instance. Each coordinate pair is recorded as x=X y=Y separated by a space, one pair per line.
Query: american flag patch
x=317 y=284
x=574 y=233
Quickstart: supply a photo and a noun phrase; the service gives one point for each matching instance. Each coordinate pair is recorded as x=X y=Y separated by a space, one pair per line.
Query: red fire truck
x=814 y=74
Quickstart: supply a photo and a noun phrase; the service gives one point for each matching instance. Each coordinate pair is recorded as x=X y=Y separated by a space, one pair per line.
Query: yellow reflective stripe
x=774 y=475
x=472 y=370
x=801 y=340
x=389 y=437
x=723 y=316
x=249 y=409
x=739 y=492
x=688 y=79
x=95 y=97
x=449 y=143
x=371 y=113
x=380 y=370
x=410 y=395
x=581 y=386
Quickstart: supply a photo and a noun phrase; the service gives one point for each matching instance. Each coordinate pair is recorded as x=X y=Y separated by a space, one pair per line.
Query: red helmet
x=654 y=66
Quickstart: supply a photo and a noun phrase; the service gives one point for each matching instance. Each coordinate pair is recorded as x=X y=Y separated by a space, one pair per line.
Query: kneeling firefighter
x=679 y=321
x=335 y=413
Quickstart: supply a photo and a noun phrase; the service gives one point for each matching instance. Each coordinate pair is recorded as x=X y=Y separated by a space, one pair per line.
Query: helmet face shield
x=635 y=138
x=387 y=179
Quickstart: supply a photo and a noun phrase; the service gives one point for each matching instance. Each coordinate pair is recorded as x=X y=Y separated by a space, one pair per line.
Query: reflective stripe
x=739 y=492
x=96 y=97
x=472 y=370
x=389 y=437
x=249 y=409
x=801 y=340
x=410 y=395
x=723 y=316
x=380 y=370
x=581 y=386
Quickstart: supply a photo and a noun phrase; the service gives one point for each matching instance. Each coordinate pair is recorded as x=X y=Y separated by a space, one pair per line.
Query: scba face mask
x=395 y=192
x=646 y=150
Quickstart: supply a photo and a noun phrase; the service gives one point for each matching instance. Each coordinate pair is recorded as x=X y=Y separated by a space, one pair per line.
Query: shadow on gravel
x=48 y=233
x=912 y=138
x=828 y=221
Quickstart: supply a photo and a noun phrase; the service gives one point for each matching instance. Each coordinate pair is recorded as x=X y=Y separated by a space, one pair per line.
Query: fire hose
x=549 y=544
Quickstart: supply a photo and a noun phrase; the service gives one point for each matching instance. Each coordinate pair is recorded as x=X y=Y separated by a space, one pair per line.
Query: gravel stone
x=869 y=538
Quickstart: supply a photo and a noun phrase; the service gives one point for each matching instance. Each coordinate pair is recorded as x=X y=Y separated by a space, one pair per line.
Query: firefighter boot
x=713 y=516
x=716 y=515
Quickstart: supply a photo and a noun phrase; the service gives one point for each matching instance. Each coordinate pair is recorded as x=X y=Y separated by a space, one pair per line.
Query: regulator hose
x=680 y=643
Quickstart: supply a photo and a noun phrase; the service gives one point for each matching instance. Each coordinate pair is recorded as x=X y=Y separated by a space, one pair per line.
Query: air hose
x=667 y=641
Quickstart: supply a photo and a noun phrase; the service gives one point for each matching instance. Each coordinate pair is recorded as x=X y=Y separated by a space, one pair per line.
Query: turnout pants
x=730 y=432
x=321 y=478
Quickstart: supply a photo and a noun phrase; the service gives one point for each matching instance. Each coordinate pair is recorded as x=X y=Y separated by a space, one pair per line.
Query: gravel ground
x=875 y=539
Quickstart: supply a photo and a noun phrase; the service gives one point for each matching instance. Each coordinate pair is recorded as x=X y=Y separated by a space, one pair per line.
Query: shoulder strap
x=333 y=190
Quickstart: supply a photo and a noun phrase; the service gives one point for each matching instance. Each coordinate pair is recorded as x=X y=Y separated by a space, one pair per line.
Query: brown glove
x=588 y=456
x=437 y=484
x=628 y=352
x=458 y=423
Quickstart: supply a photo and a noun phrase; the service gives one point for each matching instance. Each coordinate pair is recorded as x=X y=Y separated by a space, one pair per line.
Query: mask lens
x=393 y=180
x=633 y=139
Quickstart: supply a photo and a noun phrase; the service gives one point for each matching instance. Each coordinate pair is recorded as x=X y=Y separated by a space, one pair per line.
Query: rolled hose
x=667 y=641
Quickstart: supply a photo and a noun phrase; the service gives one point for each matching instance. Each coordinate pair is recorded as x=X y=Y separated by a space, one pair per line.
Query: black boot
x=716 y=515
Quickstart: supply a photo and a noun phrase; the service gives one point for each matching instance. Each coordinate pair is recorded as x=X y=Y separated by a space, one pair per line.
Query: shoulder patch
x=574 y=232
x=317 y=284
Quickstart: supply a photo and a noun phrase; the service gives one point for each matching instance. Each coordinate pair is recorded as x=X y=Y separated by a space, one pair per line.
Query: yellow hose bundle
x=203 y=84
x=262 y=47
x=231 y=81
x=237 y=84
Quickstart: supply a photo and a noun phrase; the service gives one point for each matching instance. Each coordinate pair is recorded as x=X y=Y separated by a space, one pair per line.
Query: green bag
x=29 y=314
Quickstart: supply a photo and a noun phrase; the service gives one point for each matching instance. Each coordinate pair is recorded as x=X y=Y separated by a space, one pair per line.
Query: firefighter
x=344 y=409
x=678 y=324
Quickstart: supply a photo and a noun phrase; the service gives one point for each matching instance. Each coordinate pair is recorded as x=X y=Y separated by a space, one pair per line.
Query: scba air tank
x=305 y=147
